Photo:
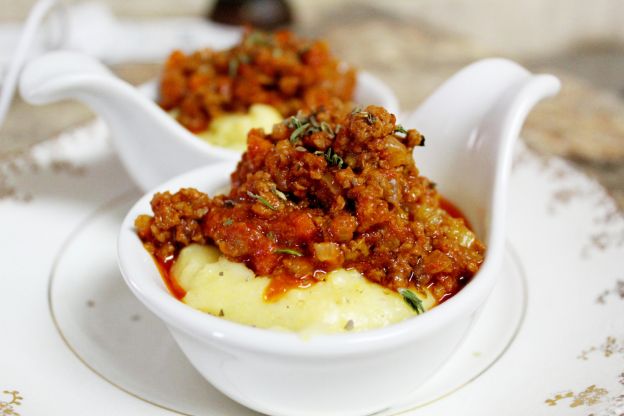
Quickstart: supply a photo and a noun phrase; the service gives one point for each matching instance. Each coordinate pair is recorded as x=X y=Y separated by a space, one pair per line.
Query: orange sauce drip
x=172 y=284
x=279 y=285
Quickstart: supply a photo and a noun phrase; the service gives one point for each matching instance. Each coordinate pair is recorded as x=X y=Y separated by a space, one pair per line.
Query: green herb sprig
x=299 y=131
x=412 y=300
x=281 y=195
x=262 y=200
x=370 y=118
x=331 y=157
x=400 y=129
x=288 y=251
x=304 y=126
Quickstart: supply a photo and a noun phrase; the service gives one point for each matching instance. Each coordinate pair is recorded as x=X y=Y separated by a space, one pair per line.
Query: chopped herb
x=399 y=129
x=314 y=122
x=301 y=149
x=288 y=251
x=306 y=125
x=228 y=221
x=271 y=236
x=349 y=325
x=279 y=193
x=220 y=273
x=370 y=118
x=332 y=158
x=262 y=200
x=327 y=129
x=412 y=300
x=233 y=67
x=293 y=122
x=294 y=136
x=221 y=313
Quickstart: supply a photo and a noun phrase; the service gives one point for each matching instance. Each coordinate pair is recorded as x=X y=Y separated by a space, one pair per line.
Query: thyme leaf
x=312 y=120
x=293 y=122
x=327 y=129
x=412 y=300
x=262 y=200
x=228 y=221
x=279 y=193
x=400 y=129
x=370 y=118
x=304 y=125
x=288 y=251
x=331 y=157
x=294 y=136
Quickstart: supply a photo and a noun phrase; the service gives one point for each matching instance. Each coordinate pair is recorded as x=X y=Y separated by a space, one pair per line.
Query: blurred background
x=413 y=46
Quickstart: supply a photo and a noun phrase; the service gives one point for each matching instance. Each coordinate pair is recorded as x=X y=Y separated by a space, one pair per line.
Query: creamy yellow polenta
x=230 y=130
x=344 y=301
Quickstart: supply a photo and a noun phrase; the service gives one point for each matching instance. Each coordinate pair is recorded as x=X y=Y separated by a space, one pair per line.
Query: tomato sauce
x=334 y=188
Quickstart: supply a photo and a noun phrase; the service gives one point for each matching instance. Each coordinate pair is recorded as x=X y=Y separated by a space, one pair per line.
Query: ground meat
x=278 y=69
x=327 y=189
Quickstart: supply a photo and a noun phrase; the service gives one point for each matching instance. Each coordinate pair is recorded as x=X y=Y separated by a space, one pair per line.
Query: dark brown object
x=263 y=14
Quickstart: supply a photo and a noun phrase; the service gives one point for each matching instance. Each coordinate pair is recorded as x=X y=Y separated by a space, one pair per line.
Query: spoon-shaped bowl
x=151 y=144
x=472 y=122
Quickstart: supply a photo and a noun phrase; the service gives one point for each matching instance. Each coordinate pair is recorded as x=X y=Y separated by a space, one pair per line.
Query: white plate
x=120 y=340
x=566 y=243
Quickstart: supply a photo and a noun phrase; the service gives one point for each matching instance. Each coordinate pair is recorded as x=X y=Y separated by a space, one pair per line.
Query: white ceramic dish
x=362 y=373
x=94 y=314
x=144 y=135
x=567 y=358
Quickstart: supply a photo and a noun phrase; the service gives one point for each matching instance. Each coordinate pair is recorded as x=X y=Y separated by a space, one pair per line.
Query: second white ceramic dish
x=144 y=135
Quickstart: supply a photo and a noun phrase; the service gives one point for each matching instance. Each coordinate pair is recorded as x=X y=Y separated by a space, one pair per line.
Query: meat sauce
x=278 y=69
x=334 y=188
x=280 y=285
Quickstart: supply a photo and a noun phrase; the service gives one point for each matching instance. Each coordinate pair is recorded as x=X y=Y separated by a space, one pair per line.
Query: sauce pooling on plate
x=329 y=189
